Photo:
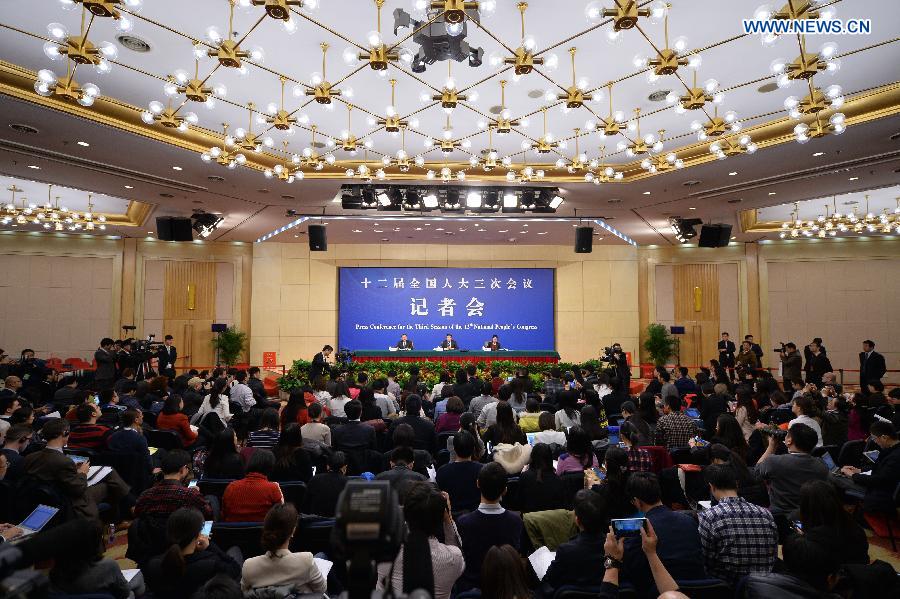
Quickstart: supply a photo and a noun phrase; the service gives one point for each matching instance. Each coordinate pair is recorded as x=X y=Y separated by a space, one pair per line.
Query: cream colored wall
x=59 y=294
x=294 y=303
x=154 y=284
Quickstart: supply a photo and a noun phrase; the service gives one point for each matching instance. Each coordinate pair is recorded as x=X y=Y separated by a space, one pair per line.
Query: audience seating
x=244 y=535
x=440 y=440
x=832 y=450
x=660 y=457
x=213 y=486
x=313 y=534
x=851 y=453
x=163 y=439
x=512 y=500
x=294 y=492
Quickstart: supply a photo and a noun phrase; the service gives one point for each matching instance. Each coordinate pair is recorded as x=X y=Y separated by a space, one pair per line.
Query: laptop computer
x=36 y=520
x=829 y=463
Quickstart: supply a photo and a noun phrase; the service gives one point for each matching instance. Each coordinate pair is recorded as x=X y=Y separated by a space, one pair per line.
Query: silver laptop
x=36 y=520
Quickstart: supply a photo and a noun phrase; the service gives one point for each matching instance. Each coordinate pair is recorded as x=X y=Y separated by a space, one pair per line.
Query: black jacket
x=200 y=566
x=727 y=350
x=449 y=345
x=353 y=435
x=816 y=366
x=423 y=428
x=106 y=365
x=318 y=367
x=401 y=344
x=322 y=493
x=871 y=369
x=578 y=562
x=780 y=586
x=881 y=483
x=792 y=366
x=713 y=407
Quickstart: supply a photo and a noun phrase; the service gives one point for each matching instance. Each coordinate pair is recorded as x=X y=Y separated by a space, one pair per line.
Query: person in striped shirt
x=266 y=437
x=87 y=434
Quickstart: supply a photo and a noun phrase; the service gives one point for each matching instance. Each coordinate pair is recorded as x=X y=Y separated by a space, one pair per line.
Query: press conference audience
x=459 y=478
x=539 y=487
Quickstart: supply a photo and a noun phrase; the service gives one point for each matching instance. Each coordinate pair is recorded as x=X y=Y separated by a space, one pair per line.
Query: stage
x=524 y=357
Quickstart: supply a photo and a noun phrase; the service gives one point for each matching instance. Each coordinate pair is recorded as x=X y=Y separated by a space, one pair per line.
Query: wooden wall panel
x=191 y=328
x=701 y=326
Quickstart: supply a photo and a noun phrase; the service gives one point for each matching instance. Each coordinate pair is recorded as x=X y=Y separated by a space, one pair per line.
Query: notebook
x=541 y=560
x=36 y=520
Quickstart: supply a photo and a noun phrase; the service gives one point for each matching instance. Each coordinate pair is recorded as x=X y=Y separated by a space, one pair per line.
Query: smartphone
x=628 y=527
x=798 y=525
x=600 y=473
x=192 y=484
x=530 y=438
x=207 y=528
x=78 y=459
x=872 y=455
x=97 y=400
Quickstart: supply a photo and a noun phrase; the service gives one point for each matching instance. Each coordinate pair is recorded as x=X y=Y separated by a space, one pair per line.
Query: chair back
x=659 y=456
x=572 y=482
x=163 y=439
x=244 y=535
x=512 y=500
x=294 y=492
x=32 y=492
x=441 y=440
x=711 y=588
x=213 y=486
x=313 y=534
x=832 y=450
x=575 y=592
x=851 y=453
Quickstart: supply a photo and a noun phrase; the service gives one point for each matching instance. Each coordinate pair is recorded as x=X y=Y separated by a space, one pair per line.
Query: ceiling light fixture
x=278 y=117
x=601 y=173
x=625 y=13
x=226 y=155
x=659 y=163
x=310 y=157
x=247 y=140
x=194 y=88
x=697 y=96
x=108 y=9
x=168 y=117
x=226 y=50
x=392 y=122
x=51 y=215
x=280 y=10
x=717 y=126
x=545 y=144
x=732 y=146
x=575 y=95
x=319 y=88
x=612 y=124
x=205 y=223
x=667 y=59
x=490 y=160
x=78 y=48
x=287 y=171
x=378 y=55
x=402 y=160
x=523 y=58
x=505 y=123
x=640 y=145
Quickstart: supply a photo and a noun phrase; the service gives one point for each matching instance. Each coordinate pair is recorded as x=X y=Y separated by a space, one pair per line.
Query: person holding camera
x=619 y=361
x=105 y=374
x=791 y=364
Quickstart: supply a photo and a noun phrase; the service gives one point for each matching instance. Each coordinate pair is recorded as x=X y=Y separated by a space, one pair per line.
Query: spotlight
x=351 y=198
x=473 y=200
x=383 y=198
x=491 y=201
x=556 y=201
x=368 y=198
x=546 y=201
x=430 y=201
x=451 y=203
x=205 y=223
x=412 y=200
x=511 y=203
x=390 y=199
x=684 y=228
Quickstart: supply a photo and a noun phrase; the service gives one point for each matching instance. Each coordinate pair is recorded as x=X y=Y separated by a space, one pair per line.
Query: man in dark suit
x=319 y=364
x=871 y=366
x=167 y=356
x=105 y=374
x=807 y=353
x=126 y=359
x=817 y=365
x=679 y=538
x=404 y=342
x=52 y=466
x=449 y=343
x=580 y=562
x=493 y=344
x=422 y=427
x=727 y=350
x=354 y=434
x=754 y=347
x=401 y=473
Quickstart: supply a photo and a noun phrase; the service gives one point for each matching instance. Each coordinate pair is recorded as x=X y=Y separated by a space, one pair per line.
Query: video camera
x=780 y=350
x=344 y=356
x=773 y=431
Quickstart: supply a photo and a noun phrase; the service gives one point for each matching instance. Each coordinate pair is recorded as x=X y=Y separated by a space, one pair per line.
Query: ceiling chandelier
x=319 y=87
x=286 y=171
x=579 y=162
x=667 y=59
x=227 y=155
x=490 y=158
x=392 y=123
x=523 y=59
x=281 y=119
x=167 y=116
x=280 y=10
x=247 y=140
x=526 y=175
x=576 y=94
x=830 y=224
x=310 y=157
x=625 y=14
x=446 y=175
x=794 y=10
x=696 y=97
x=717 y=126
x=659 y=163
x=612 y=124
x=51 y=215
x=504 y=123
x=108 y=9
x=228 y=51
x=378 y=55
x=402 y=161
x=640 y=145
x=48 y=84
x=732 y=146
x=449 y=96
x=78 y=48
x=364 y=172
x=806 y=65
x=814 y=104
x=447 y=144
x=545 y=144
x=194 y=88
x=598 y=172
x=349 y=142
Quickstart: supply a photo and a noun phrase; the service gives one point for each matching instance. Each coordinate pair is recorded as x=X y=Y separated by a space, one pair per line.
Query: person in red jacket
x=172 y=418
x=250 y=498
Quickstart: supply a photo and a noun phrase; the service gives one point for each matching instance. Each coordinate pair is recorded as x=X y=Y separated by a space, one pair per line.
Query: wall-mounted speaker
x=584 y=240
x=173 y=228
x=318 y=239
x=715 y=236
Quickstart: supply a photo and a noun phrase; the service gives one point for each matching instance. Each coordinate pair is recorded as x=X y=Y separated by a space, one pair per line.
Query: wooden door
x=189 y=310
x=696 y=288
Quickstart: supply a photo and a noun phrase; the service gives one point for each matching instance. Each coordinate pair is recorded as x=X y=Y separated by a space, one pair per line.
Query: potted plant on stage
x=659 y=345
x=229 y=346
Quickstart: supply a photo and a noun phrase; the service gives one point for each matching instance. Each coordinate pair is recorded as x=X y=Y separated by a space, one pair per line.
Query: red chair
x=270 y=384
x=660 y=457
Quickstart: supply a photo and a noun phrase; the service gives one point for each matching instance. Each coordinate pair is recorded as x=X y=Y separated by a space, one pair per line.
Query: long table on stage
x=524 y=357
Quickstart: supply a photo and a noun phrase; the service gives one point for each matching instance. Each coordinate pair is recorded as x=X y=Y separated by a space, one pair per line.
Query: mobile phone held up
x=628 y=527
x=207 y=528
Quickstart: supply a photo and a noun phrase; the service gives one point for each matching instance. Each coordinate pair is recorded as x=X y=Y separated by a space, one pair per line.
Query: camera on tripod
x=344 y=356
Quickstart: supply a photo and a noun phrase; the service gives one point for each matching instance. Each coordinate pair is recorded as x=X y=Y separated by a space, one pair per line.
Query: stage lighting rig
x=205 y=223
x=450 y=199
x=684 y=228
x=444 y=37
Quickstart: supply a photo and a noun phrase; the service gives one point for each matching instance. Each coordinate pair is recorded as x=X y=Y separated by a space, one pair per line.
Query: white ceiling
x=35 y=192
x=878 y=201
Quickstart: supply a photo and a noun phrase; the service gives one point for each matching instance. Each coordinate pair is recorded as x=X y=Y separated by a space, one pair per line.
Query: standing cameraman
x=619 y=361
x=791 y=365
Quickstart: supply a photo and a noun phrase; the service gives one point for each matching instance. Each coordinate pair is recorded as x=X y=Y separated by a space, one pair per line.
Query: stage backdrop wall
x=295 y=292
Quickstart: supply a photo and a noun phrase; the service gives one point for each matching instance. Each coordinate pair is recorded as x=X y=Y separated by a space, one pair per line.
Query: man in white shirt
x=436 y=390
x=240 y=393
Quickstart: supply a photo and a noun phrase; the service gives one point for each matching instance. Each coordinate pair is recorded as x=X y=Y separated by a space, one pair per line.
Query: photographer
x=618 y=360
x=791 y=364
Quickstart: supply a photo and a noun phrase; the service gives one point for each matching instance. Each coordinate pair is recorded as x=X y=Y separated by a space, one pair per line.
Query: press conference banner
x=377 y=305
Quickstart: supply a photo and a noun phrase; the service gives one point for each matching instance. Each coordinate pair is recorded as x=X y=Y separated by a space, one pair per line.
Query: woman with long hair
x=295 y=410
x=223 y=460
x=579 y=452
x=449 y=420
x=278 y=566
x=370 y=409
x=647 y=410
x=467 y=423
x=190 y=560
x=81 y=567
x=746 y=413
x=539 y=486
x=342 y=395
x=639 y=460
x=216 y=401
x=825 y=521
x=172 y=418
x=292 y=462
x=568 y=415
x=505 y=430
x=592 y=425
x=424 y=562
x=728 y=432
x=503 y=575
x=612 y=487
x=266 y=436
x=518 y=397
x=548 y=433
x=719 y=373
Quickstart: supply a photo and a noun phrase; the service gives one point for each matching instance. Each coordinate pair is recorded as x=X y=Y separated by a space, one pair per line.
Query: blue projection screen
x=377 y=305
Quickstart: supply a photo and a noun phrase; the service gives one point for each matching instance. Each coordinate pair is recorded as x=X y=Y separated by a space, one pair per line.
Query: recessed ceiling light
x=357 y=231
x=149 y=232
x=691 y=182
x=417 y=229
x=614 y=201
x=767 y=87
x=691 y=208
x=439 y=229
x=771 y=193
x=543 y=232
x=646 y=193
x=732 y=173
x=851 y=178
x=83 y=143
x=525 y=225
x=129 y=187
x=733 y=238
x=177 y=168
x=396 y=229
x=377 y=231
x=503 y=231
x=166 y=195
x=462 y=229
x=34 y=166
x=818 y=154
x=735 y=200
x=659 y=95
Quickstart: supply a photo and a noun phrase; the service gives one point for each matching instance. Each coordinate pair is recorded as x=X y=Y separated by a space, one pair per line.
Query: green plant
x=659 y=344
x=230 y=345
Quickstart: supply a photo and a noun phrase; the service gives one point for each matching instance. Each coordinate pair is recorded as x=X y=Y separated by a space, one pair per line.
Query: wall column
x=129 y=257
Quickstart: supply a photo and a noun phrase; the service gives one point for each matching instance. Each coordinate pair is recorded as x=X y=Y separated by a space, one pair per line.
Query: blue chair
x=294 y=492
x=711 y=588
x=313 y=535
x=470 y=594
x=244 y=535
x=213 y=486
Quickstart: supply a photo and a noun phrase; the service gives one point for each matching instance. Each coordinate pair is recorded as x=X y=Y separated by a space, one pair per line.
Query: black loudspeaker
x=584 y=240
x=318 y=240
x=715 y=236
x=171 y=228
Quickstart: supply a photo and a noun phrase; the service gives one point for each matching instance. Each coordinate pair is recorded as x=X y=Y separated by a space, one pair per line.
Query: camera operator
x=791 y=364
x=618 y=360
x=105 y=374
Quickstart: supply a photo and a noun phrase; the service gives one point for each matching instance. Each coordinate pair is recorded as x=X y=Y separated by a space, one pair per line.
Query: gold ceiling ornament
x=717 y=126
x=194 y=88
x=227 y=155
x=667 y=59
x=490 y=158
x=278 y=117
x=392 y=123
x=523 y=58
x=599 y=172
x=446 y=175
x=806 y=65
x=280 y=10
x=625 y=14
x=228 y=51
x=402 y=160
x=612 y=124
x=504 y=123
x=578 y=162
x=167 y=116
x=697 y=96
x=641 y=144
x=830 y=224
x=545 y=144
x=446 y=143
x=286 y=171
x=51 y=215
x=108 y=9
x=78 y=48
x=349 y=142
x=526 y=174
x=249 y=141
x=319 y=87
x=575 y=95
x=449 y=95
x=48 y=84
x=661 y=163
x=364 y=172
x=378 y=55
x=453 y=11
x=794 y=10
x=732 y=145
x=310 y=156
